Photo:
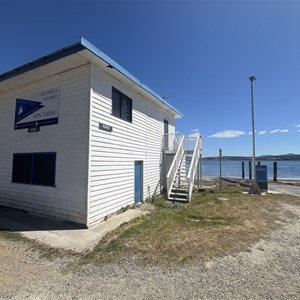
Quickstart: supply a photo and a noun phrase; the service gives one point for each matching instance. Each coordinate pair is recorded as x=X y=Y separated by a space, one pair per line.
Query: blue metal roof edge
x=42 y=61
x=124 y=72
x=83 y=44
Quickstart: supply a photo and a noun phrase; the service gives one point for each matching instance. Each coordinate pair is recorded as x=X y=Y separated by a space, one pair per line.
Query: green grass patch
x=215 y=223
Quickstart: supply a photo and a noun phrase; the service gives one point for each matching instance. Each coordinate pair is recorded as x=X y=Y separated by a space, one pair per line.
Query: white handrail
x=193 y=167
x=175 y=164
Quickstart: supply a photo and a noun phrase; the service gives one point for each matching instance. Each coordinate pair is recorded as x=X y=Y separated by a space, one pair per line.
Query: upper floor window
x=121 y=105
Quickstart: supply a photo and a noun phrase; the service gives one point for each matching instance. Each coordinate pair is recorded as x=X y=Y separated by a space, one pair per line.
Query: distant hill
x=290 y=156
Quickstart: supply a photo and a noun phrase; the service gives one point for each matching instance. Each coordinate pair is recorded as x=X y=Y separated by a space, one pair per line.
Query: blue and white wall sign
x=37 y=110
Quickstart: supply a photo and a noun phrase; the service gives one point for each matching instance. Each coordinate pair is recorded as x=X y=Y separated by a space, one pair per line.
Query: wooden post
x=275 y=171
x=198 y=173
x=201 y=170
x=250 y=170
x=243 y=169
x=220 y=157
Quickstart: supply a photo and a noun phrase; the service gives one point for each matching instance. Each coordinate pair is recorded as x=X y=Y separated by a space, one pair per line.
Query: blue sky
x=206 y=50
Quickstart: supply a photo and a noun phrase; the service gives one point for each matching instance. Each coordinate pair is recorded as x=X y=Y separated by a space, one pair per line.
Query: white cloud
x=298 y=126
x=227 y=134
x=279 y=131
x=274 y=131
x=195 y=133
x=250 y=132
x=262 y=132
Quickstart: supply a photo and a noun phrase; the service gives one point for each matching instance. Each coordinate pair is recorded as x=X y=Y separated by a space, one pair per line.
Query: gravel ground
x=269 y=270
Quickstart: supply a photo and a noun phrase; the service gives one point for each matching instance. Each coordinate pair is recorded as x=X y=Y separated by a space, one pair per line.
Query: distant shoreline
x=284 y=157
x=291 y=181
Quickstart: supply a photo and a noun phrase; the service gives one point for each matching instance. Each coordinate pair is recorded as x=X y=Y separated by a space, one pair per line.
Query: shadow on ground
x=16 y=220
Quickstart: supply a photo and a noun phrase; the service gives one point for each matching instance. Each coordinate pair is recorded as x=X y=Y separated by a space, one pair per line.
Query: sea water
x=233 y=168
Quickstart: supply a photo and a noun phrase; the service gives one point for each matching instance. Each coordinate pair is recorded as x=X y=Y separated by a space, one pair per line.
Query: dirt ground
x=269 y=269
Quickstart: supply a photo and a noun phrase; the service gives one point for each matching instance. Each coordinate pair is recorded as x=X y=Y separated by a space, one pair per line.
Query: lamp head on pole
x=252 y=78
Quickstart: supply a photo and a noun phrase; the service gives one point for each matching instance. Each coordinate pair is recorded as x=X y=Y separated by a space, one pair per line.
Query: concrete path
x=62 y=235
x=288 y=188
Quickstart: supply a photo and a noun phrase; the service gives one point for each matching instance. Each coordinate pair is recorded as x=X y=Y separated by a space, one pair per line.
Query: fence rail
x=172 y=140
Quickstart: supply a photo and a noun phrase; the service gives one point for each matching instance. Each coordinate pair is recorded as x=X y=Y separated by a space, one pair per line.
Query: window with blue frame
x=34 y=168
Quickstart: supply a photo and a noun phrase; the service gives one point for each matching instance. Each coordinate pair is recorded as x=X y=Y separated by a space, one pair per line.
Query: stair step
x=179 y=194
x=182 y=183
x=178 y=199
x=179 y=189
x=183 y=180
x=180 y=186
x=185 y=187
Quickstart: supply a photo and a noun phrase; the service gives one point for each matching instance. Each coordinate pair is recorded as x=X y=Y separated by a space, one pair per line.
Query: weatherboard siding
x=112 y=154
x=69 y=139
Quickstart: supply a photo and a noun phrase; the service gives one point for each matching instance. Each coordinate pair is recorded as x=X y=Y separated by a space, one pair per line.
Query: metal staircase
x=181 y=175
x=179 y=189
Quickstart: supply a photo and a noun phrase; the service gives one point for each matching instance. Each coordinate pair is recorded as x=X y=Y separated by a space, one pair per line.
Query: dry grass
x=215 y=223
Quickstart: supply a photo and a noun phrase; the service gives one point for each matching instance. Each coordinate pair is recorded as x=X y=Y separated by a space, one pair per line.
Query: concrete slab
x=286 y=187
x=61 y=235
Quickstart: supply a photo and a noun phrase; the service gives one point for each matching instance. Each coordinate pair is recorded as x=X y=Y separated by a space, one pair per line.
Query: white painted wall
x=69 y=139
x=112 y=154
x=94 y=169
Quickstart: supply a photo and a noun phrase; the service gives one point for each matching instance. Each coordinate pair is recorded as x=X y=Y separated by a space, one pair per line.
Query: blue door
x=138 y=181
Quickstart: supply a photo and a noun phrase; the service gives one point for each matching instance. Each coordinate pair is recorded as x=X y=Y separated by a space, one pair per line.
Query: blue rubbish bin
x=262 y=177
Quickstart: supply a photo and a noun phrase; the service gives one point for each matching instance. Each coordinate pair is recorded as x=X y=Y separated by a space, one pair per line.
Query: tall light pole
x=254 y=188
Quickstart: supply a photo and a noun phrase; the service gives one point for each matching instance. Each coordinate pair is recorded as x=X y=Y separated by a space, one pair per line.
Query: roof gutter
x=74 y=48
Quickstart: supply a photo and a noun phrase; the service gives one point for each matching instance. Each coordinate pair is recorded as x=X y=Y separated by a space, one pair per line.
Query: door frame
x=141 y=163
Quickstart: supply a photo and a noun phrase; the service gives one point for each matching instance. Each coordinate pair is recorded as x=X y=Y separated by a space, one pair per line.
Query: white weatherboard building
x=81 y=138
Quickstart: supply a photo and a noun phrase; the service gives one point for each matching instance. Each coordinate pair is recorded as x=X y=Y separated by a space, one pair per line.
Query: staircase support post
x=198 y=175
x=201 y=170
